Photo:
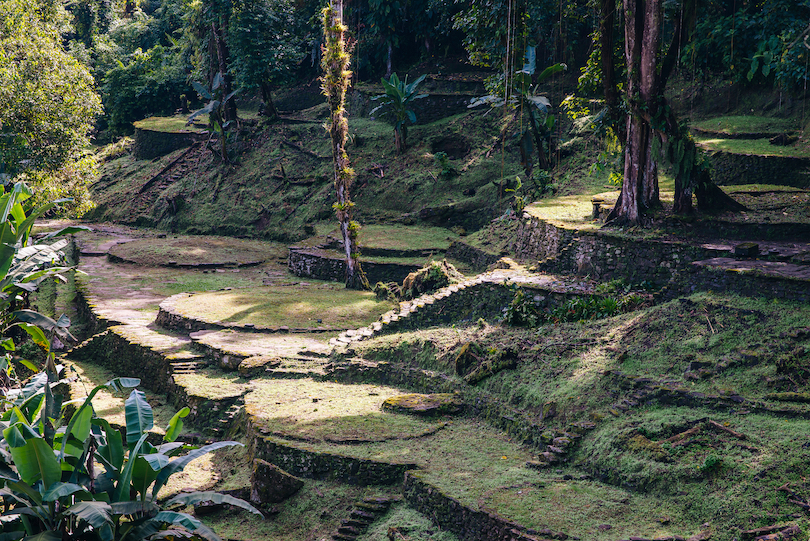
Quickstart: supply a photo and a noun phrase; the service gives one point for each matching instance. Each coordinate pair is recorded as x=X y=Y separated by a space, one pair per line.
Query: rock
x=430 y=278
x=425 y=404
x=747 y=249
x=271 y=484
x=253 y=366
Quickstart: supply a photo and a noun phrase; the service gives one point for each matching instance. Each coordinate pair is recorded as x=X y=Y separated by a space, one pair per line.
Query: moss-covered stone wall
x=450 y=514
x=151 y=144
x=309 y=463
x=324 y=266
x=736 y=169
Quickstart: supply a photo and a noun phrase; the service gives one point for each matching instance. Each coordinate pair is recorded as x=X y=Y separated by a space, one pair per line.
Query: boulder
x=425 y=404
x=430 y=278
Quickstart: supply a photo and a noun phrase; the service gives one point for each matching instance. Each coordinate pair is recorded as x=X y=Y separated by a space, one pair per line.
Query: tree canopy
x=47 y=100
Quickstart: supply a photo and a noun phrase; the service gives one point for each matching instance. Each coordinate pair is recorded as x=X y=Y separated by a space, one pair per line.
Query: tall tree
x=651 y=117
x=335 y=82
x=47 y=101
x=642 y=35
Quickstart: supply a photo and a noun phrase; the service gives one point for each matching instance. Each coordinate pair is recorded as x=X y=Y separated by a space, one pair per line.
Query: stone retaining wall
x=313 y=263
x=151 y=144
x=312 y=464
x=698 y=277
x=736 y=169
x=450 y=514
x=478 y=259
x=603 y=255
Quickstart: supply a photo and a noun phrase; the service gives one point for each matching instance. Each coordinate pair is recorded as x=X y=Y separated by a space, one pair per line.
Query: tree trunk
x=335 y=81
x=223 y=56
x=267 y=98
x=642 y=39
x=607 y=23
x=389 y=60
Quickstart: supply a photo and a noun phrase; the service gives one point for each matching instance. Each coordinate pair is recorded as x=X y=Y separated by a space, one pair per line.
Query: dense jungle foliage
x=73 y=70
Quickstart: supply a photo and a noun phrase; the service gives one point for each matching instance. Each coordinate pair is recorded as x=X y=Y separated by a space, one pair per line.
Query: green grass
x=296 y=306
x=173 y=124
x=324 y=411
x=197 y=250
x=314 y=512
x=746 y=124
x=759 y=147
x=399 y=237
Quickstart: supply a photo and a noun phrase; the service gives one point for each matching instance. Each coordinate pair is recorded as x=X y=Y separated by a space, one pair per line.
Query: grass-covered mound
x=196 y=251
x=759 y=147
x=170 y=124
x=300 y=305
x=280 y=184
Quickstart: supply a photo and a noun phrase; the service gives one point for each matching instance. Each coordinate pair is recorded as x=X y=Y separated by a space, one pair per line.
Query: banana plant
x=397 y=99
x=24 y=265
x=522 y=96
x=215 y=109
x=50 y=486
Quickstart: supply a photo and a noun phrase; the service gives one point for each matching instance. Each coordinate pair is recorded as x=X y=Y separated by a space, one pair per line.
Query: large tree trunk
x=642 y=39
x=267 y=98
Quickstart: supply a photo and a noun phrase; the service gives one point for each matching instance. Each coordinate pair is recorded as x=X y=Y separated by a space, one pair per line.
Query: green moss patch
x=733 y=125
x=304 y=409
x=197 y=251
x=424 y=404
x=299 y=306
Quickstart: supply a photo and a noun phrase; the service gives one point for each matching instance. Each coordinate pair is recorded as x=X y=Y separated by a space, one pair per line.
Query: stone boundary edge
x=172 y=318
x=112 y=258
x=315 y=263
x=449 y=513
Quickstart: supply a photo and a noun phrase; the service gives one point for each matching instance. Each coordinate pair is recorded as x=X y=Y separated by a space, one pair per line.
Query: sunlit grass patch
x=301 y=306
x=746 y=124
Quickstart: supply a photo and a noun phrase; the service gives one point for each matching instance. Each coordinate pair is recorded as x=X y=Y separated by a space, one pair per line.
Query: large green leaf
x=116 y=384
x=60 y=490
x=133 y=507
x=81 y=423
x=180 y=519
x=551 y=70
x=178 y=464
x=44 y=536
x=95 y=513
x=122 y=488
x=139 y=416
x=175 y=425
x=35 y=460
x=215 y=497
x=113 y=449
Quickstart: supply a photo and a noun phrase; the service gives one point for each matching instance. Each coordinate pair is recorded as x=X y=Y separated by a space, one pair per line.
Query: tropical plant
x=397 y=99
x=53 y=491
x=23 y=265
x=519 y=94
x=215 y=108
